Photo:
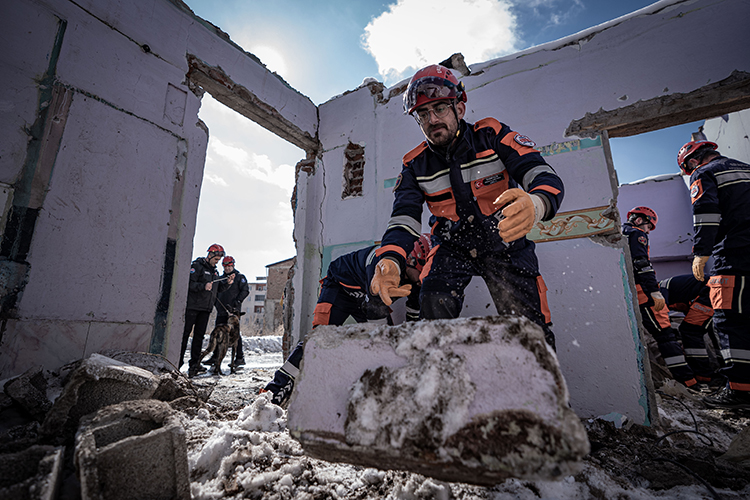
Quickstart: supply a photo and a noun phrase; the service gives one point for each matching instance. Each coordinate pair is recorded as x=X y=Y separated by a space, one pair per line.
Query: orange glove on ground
x=386 y=280
x=659 y=301
x=698 y=264
x=520 y=215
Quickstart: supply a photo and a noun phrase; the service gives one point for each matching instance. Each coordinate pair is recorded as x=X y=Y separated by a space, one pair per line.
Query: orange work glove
x=522 y=212
x=386 y=280
x=659 y=301
x=698 y=264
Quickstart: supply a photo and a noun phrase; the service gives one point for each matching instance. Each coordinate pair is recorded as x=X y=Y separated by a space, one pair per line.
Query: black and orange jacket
x=644 y=274
x=720 y=194
x=461 y=185
x=354 y=272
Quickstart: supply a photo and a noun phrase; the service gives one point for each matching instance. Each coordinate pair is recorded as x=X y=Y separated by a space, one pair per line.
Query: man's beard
x=444 y=139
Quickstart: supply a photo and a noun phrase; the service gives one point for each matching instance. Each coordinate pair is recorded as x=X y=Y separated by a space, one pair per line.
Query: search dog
x=222 y=338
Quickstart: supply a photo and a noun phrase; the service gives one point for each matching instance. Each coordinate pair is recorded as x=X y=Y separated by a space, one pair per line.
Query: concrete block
x=133 y=450
x=98 y=382
x=474 y=400
x=31 y=474
x=29 y=391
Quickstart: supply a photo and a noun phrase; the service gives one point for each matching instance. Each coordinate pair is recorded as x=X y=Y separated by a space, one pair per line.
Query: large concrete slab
x=474 y=400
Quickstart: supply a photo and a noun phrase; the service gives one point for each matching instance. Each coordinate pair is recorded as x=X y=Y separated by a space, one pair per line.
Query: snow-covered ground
x=239 y=447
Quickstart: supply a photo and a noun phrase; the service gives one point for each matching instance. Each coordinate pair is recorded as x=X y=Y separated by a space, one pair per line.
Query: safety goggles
x=432 y=87
x=440 y=110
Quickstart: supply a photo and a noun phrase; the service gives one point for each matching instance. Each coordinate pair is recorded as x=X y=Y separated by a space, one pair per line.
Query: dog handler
x=203 y=286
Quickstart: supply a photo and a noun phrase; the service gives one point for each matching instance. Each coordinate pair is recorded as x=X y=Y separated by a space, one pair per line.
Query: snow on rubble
x=239 y=446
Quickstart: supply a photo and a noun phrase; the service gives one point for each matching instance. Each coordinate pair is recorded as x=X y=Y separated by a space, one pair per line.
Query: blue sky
x=324 y=48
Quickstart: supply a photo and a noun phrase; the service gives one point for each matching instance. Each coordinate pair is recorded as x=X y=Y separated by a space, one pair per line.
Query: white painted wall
x=127 y=174
x=539 y=92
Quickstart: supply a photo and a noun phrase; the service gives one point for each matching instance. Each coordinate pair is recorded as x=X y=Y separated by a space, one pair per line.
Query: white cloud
x=415 y=33
x=250 y=165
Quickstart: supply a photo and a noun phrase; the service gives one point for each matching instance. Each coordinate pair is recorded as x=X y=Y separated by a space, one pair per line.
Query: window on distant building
x=260 y=288
x=260 y=297
x=354 y=170
x=258 y=309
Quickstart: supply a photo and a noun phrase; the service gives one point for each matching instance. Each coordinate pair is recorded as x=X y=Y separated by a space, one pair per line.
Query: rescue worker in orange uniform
x=687 y=295
x=487 y=187
x=655 y=316
x=720 y=195
x=344 y=293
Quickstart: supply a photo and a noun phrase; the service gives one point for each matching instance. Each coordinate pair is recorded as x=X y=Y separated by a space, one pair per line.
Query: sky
x=324 y=48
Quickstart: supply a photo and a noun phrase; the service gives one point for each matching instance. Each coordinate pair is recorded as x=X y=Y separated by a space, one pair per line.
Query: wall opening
x=354 y=170
x=245 y=198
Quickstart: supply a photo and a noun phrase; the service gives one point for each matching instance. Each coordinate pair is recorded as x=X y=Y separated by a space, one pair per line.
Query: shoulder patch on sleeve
x=696 y=190
x=642 y=240
x=524 y=140
x=398 y=182
x=489 y=123
x=415 y=152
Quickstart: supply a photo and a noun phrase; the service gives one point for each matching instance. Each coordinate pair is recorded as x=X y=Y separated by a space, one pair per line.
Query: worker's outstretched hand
x=386 y=280
x=659 y=301
x=519 y=214
x=699 y=263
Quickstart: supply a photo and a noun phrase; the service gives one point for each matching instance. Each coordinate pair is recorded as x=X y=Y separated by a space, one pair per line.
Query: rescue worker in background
x=720 y=195
x=689 y=296
x=487 y=187
x=230 y=301
x=344 y=293
x=654 y=314
x=203 y=287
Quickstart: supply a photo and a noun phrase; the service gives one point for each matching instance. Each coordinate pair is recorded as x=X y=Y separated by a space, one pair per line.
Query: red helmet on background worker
x=228 y=261
x=646 y=214
x=418 y=256
x=689 y=150
x=215 y=249
x=432 y=83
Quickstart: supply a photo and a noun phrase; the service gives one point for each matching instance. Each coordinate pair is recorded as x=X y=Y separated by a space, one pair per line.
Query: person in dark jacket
x=486 y=187
x=203 y=287
x=654 y=314
x=230 y=302
x=344 y=293
x=685 y=294
x=720 y=196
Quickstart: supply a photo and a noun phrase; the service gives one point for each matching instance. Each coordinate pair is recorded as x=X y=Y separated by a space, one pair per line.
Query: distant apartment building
x=254 y=306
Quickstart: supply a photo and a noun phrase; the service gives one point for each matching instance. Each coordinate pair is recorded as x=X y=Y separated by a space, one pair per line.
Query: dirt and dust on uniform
x=237 y=443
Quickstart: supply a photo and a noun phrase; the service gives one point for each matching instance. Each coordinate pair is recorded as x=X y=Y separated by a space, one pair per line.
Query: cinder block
x=133 y=450
x=31 y=474
x=475 y=400
x=98 y=382
x=29 y=391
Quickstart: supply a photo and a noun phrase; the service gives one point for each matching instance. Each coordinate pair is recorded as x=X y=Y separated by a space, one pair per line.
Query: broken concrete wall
x=632 y=70
x=101 y=166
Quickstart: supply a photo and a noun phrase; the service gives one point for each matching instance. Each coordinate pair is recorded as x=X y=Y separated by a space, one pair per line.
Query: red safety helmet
x=433 y=83
x=645 y=212
x=228 y=261
x=689 y=149
x=418 y=255
x=216 y=248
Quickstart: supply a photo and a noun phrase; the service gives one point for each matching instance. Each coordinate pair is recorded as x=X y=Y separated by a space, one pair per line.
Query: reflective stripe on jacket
x=461 y=185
